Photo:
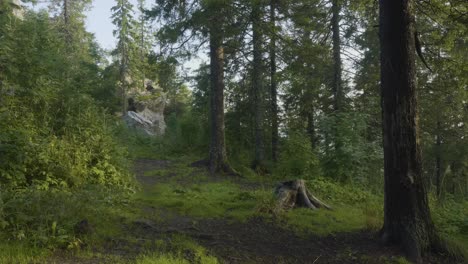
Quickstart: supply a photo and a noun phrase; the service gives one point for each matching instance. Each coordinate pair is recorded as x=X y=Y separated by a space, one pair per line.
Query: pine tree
x=122 y=18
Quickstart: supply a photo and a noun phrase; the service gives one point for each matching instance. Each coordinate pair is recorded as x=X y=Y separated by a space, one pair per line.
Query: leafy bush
x=297 y=158
x=357 y=160
x=451 y=217
x=70 y=147
x=48 y=217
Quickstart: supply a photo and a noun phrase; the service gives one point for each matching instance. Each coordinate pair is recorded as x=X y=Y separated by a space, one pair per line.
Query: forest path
x=256 y=240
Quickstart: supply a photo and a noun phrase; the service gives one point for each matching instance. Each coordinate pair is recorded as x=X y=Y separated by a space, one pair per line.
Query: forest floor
x=256 y=240
x=177 y=220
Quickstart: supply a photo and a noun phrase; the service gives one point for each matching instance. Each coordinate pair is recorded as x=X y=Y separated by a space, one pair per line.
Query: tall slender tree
x=71 y=17
x=273 y=83
x=217 y=24
x=257 y=83
x=337 y=63
x=122 y=18
x=206 y=21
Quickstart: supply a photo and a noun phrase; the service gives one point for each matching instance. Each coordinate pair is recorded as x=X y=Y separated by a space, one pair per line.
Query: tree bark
x=66 y=15
x=123 y=71
x=438 y=160
x=309 y=94
x=257 y=85
x=66 y=21
x=273 y=85
x=407 y=220
x=337 y=64
x=337 y=88
x=311 y=127
x=218 y=157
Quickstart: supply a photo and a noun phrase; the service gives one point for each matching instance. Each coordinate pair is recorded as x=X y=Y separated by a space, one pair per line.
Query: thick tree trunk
x=337 y=64
x=407 y=219
x=257 y=85
x=273 y=85
x=218 y=157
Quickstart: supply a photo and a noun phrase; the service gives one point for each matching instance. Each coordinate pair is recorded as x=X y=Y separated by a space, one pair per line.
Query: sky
x=99 y=22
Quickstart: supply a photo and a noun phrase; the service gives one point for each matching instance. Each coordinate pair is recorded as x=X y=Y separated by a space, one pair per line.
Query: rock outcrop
x=146 y=110
x=18 y=10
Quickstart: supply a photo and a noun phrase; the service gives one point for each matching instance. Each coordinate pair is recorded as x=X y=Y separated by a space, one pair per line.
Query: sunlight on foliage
x=210 y=200
x=19 y=253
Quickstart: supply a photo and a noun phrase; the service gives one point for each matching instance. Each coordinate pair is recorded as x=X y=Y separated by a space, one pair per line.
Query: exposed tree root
x=415 y=248
x=292 y=194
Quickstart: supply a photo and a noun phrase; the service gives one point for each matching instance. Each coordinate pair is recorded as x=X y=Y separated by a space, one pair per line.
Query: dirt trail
x=254 y=241
x=257 y=240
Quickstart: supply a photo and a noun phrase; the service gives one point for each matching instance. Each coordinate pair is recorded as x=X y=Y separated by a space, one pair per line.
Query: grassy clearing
x=189 y=191
x=210 y=200
x=322 y=222
x=354 y=209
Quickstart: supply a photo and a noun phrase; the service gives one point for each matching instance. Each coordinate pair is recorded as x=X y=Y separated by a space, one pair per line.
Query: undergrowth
x=45 y=220
x=180 y=250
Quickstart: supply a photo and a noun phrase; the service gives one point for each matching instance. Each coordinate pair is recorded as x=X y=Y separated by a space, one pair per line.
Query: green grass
x=21 y=253
x=181 y=250
x=158 y=258
x=352 y=210
x=189 y=191
x=210 y=200
x=324 y=222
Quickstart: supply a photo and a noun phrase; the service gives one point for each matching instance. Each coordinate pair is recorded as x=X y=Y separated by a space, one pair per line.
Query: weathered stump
x=292 y=194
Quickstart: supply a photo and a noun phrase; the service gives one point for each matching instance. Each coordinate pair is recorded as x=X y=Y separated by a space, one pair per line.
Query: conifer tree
x=122 y=18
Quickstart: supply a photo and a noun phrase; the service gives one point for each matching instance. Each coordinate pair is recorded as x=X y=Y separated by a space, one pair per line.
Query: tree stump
x=293 y=194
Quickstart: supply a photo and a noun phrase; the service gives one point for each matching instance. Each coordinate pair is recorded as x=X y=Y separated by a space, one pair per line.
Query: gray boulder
x=146 y=110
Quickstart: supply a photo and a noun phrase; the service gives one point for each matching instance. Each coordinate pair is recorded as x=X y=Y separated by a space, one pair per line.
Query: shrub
x=48 y=217
x=297 y=158
x=72 y=147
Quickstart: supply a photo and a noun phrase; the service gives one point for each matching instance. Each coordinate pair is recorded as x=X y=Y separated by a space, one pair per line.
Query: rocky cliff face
x=146 y=110
x=18 y=10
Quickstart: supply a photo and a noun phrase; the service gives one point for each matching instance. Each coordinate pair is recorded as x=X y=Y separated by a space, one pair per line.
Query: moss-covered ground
x=181 y=214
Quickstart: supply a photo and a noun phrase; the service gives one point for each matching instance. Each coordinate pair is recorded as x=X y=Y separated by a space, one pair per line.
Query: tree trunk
x=337 y=88
x=257 y=83
x=337 y=80
x=218 y=157
x=124 y=75
x=407 y=220
x=66 y=21
x=438 y=160
x=311 y=127
x=273 y=86
x=66 y=15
